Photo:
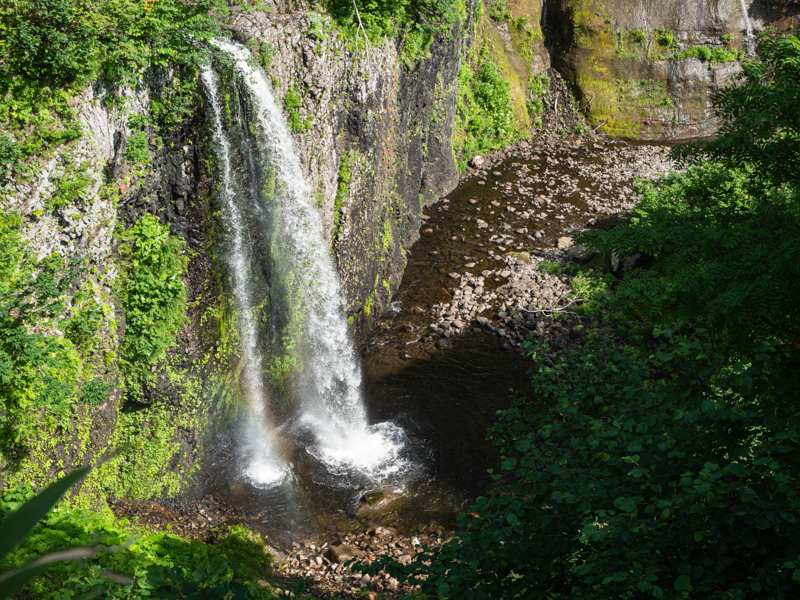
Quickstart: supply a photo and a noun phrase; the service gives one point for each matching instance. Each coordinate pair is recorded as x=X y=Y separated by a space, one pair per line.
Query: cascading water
x=259 y=461
x=330 y=406
x=750 y=38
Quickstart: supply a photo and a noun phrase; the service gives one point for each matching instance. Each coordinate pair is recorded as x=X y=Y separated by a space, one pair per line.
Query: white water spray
x=331 y=404
x=260 y=463
x=750 y=38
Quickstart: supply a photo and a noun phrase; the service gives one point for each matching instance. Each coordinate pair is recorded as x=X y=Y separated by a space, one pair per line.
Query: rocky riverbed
x=479 y=263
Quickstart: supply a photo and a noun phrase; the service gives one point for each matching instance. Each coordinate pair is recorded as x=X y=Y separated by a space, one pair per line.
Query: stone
x=565 y=242
x=340 y=553
x=579 y=253
x=477 y=162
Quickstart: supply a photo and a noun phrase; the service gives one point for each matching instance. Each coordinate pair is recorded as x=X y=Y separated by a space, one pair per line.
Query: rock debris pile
x=327 y=562
x=513 y=221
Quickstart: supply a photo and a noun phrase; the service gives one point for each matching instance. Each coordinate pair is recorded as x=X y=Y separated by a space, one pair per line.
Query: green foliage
x=263 y=50
x=387 y=236
x=498 y=11
x=484 y=115
x=342 y=191
x=292 y=103
x=9 y=155
x=660 y=457
x=50 y=42
x=317 y=26
x=137 y=151
x=416 y=23
x=95 y=392
x=133 y=563
x=280 y=369
x=150 y=450
x=708 y=54
x=82 y=326
x=39 y=372
x=665 y=39
x=538 y=89
x=51 y=49
x=525 y=36
x=153 y=297
x=70 y=189
x=761 y=117
x=637 y=36
x=18 y=525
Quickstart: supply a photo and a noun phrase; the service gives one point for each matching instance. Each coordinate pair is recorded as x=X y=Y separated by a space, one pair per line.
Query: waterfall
x=329 y=403
x=750 y=38
x=259 y=461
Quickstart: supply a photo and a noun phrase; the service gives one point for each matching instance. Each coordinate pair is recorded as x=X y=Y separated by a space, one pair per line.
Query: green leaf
x=19 y=523
x=683 y=583
x=13 y=581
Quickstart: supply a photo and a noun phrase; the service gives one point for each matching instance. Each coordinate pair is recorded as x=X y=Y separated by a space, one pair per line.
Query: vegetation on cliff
x=660 y=457
x=50 y=50
x=414 y=23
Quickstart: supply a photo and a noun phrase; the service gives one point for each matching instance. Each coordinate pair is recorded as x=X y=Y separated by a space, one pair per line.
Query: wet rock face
x=374 y=139
x=619 y=57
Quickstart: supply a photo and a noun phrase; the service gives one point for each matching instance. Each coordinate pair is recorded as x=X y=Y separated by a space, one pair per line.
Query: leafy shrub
x=70 y=189
x=415 y=22
x=82 y=327
x=51 y=42
x=137 y=152
x=53 y=48
x=708 y=54
x=95 y=392
x=498 y=11
x=637 y=36
x=292 y=103
x=631 y=479
x=153 y=297
x=129 y=562
x=317 y=26
x=665 y=38
x=38 y=372
x=538 y=89
x=9 y=155
x=484 y=113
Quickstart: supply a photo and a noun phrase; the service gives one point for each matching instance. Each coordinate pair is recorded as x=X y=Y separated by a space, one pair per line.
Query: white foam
x=374 y=451
x=260 y=463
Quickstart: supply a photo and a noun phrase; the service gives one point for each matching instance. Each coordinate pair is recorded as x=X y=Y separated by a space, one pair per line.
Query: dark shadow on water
x=449 y=399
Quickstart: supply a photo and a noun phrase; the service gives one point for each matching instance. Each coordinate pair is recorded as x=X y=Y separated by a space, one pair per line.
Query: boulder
x=477 y=162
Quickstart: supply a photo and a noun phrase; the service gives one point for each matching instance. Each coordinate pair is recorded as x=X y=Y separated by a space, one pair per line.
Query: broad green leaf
x=682 y=583
x=18 y=524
